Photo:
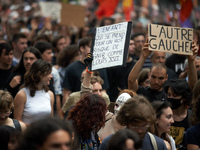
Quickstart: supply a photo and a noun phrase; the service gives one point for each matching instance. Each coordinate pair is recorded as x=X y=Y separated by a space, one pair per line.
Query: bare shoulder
x=23 y=126
x=51 y=93
x=21 y=96
x=167 y=145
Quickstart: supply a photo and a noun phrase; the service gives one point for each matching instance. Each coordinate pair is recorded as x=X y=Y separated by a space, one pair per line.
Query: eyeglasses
x=6 y=114
x=144 y=128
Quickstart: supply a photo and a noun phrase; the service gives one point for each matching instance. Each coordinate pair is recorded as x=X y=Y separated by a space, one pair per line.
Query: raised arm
x=132 y=78
x=86 y=86
x=192 y=73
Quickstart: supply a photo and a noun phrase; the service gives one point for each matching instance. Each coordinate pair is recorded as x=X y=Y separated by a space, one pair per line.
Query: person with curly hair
x=87 y=117
x=34 y=101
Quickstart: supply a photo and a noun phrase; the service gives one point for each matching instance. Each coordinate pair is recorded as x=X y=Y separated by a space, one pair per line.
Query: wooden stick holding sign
x=110 y=45
x=170 y=39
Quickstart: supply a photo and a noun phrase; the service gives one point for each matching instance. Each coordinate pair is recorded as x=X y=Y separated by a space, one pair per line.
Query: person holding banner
x=158 y=75
x=71 y=81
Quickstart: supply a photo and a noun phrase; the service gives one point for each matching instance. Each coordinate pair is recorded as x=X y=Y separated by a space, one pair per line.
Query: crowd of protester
x=50 y=99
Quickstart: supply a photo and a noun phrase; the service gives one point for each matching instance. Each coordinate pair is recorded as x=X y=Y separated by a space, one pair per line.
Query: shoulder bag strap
x=94 y=141
x=17 y=125
x=153 y=141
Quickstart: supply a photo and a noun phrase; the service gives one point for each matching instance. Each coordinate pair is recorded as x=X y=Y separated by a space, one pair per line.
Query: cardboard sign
x=51 y=9
x=110 y=45
x=170 y=39
x=72 y=15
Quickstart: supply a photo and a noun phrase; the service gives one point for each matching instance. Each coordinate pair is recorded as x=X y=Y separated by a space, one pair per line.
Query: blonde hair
x=6 y=100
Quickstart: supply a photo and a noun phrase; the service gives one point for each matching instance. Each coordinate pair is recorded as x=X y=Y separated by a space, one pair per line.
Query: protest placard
x=170 y=39
x=51 y=9
x=110 y=45
x=72 y=15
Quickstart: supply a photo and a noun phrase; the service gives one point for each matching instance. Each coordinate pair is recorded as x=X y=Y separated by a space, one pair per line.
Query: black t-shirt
x=72 y=79
x=152 y=95
x=4 y=75
x=178 y=130
x=176 y=63
x=118 y=79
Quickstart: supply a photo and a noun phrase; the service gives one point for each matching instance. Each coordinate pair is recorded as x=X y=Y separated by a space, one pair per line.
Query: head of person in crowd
x=84 y=45
x=143 y=78
x=83 y=32
x=19 y=43
x=41 y=38
x=46 y=134
x=68 y=55
x=131 y=49
x=2 y=40
x=125 y=139
x=137 y=114
x=38 y=76
x=197 y=63
x=178 y=93
x=6 y=56
x=6 y=106
x=91 y=110
x=124 y=95
x=139 y=39
x=29 y=56
x=9 y=137
x=137 y=27
x=59 y=42
x=106 y=21
x=157 y=57
x=96 y=82
x=45 y=49
x=158 y=76
x=164 y=119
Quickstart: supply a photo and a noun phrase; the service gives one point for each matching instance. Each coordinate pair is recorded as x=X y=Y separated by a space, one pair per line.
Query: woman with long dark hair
x=34 y=100
x=87 y=117
x=16 y=79
x=164 y=119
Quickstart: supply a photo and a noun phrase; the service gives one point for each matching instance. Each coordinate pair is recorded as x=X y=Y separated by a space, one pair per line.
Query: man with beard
x=157 y=76
x=16 y=78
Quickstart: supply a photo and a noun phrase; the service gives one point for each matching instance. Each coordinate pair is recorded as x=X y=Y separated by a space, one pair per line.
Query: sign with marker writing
x=110 y=45
x=170 y=39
